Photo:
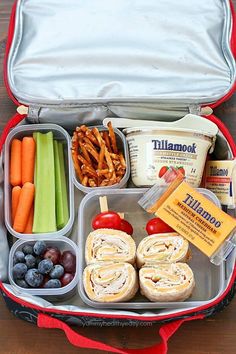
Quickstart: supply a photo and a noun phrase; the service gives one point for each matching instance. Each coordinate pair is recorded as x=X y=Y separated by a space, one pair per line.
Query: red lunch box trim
x=17 y=118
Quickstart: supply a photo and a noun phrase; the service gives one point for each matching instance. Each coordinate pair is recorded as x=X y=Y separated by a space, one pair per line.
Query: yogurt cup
x=154 y=149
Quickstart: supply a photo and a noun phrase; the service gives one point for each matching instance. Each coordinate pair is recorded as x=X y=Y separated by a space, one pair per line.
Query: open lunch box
x=78 y=62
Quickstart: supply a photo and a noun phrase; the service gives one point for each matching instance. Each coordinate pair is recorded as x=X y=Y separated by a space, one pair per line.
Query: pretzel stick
x=112 y=137
x=84 y=152
x=92 y=183
x=101 y=156
x=107 y=140
x=86 y=140
x=98 y=136
x=92 y=151
x=76 y=165
x=85 y=162
x=120 y=173
x=116 y=163
x=83 y=128
x=91 y=137
x=102 y=172
x=80 y=135
x=86 y=169
x=109 y=161
x=122 y=160
x=75 y=143
x=119 y=178
x=85 y=181
x=104 y=183
x=114 y=156
x=112 y=179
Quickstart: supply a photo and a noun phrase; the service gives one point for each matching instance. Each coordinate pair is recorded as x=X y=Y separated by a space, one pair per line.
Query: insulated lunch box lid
x=73 y=52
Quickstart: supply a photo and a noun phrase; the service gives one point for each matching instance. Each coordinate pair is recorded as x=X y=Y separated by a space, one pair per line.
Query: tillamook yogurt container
x=154 y=149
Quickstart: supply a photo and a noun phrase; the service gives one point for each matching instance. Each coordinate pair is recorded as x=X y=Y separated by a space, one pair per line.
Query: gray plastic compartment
x=57 y=294
x=208 y=277
x=60 y=134
x=123 y=147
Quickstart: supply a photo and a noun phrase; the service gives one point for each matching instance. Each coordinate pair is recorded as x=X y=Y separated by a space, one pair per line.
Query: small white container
x=123 y=147
x=56 y=294
x=59 y=134
x=182 y=144
x=209 y=278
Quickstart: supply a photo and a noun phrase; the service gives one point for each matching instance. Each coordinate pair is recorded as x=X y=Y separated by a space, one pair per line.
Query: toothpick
x=103 y=204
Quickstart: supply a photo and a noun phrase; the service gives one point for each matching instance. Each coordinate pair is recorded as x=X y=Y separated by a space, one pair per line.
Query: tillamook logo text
x=214 y=171
x=195 y=205
x=166 y=145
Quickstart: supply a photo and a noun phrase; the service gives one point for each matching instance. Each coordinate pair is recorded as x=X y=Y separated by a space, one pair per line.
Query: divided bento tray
x=209 y=278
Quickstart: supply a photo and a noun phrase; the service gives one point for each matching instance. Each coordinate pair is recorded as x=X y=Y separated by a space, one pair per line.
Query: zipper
x=22 y=110
x=200 y=111
x=10 y=35
x=33 y=112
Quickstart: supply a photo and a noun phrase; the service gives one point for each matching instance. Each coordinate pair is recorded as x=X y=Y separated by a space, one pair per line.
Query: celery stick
x=35 y=160
x=64 y=184
x=44 y=207
x=59 y=201
x=62 y=212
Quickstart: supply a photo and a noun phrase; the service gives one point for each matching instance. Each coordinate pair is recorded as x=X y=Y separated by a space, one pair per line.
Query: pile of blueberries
x=39 y=266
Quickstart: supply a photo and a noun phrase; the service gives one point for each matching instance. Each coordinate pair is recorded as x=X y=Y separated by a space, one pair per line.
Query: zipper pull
x=22 y=110
x=200 y=111
x=206 y=111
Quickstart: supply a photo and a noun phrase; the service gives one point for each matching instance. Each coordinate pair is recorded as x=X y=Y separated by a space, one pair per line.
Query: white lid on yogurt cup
x=189 y=123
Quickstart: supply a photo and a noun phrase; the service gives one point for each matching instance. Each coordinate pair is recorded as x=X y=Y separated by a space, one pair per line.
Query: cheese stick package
x=192 y=215
x=220 y=178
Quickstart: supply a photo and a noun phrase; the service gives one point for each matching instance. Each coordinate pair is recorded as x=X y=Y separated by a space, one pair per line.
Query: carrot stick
x=28 y=158
x=24 y=206
x=15 y=195
x=15 y=163
x=29 y=225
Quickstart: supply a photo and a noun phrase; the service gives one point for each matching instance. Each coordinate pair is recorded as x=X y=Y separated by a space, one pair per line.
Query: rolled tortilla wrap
x=109 y=245
x=110 y=282
x=166 y=282
x=162 y=248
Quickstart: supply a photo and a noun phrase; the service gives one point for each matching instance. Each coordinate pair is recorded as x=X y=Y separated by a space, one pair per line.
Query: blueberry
x=19 y=257
x=52 y=283
x=34 y=278
x=27 y=249
x=30 y=261
x=57 y=271
x=22 y=283
x=39 y=248
x=45 y=266
x=19 y=270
